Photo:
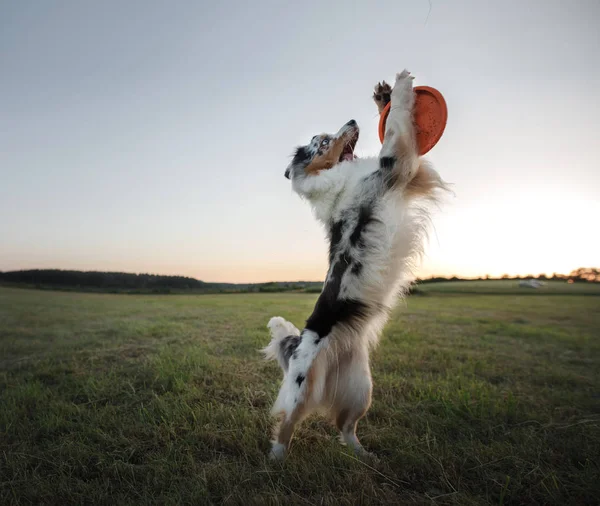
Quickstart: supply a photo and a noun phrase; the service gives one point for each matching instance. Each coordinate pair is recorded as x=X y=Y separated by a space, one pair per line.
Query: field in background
x=128 y=399
x=509 y=286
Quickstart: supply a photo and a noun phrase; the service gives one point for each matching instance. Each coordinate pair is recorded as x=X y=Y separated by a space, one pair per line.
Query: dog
x=376 y=214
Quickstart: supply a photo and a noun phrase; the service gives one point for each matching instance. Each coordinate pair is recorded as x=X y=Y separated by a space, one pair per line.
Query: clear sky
x=148 y=136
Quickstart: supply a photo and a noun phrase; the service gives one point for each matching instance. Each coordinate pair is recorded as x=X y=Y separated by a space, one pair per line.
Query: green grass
x=508 y=286
x=117 y=399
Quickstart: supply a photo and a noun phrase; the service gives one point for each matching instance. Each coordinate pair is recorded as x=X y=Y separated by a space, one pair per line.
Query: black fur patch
x=387 y=162
x=300 y=379
x=288 y=346
x=357 y=268
x=340 y=266
x=389 y=176
x=335 y=237
x=301 y=156
x=365 y=216
x=328 y=313
x=332 y=288
x=329 y=309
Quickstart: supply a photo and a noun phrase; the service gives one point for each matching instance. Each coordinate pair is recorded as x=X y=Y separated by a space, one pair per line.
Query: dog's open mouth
x=348 y=151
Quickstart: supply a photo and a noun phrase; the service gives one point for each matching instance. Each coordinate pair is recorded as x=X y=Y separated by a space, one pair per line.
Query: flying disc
x=430 y=116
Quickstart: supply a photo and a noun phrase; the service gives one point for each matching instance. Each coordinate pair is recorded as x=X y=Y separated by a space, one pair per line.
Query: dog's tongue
x=348 y=157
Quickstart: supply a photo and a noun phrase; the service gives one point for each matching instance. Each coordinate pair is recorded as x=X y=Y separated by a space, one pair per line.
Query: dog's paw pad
x=382 y=95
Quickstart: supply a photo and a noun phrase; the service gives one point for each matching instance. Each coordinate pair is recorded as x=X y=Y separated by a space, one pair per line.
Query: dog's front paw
x=403 y=76
x=382 y=95
x=402 y=94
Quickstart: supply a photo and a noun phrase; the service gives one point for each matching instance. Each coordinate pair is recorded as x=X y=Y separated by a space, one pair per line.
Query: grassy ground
x=116 y=399
x=508 y=286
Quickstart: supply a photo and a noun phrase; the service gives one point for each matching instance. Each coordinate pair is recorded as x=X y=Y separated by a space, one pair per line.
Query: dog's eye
x=324 y=142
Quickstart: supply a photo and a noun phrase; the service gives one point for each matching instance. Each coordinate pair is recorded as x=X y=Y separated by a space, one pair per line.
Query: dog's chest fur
x=362 y=217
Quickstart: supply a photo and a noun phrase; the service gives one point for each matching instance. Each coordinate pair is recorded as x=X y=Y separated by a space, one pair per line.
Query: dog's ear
x=301 y=158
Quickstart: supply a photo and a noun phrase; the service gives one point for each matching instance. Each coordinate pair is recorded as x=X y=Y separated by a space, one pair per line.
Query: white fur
x=290 y=391
x=280 y=328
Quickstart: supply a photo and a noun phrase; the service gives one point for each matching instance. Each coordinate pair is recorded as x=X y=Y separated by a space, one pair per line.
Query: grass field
x=508 y=286
x=117 y=399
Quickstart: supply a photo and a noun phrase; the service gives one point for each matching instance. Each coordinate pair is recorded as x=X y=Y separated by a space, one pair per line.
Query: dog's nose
x=351 y=123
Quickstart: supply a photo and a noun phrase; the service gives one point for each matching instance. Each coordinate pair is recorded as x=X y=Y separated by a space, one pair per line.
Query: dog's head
x=324 y=151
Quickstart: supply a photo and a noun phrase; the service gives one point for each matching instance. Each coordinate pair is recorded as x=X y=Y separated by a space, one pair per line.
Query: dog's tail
x=285 y=338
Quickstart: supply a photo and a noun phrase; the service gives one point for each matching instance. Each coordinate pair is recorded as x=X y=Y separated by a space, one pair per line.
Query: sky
x=147 y=136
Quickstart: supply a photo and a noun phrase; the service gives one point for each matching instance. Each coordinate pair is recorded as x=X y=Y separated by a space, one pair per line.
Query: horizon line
x=417 y=278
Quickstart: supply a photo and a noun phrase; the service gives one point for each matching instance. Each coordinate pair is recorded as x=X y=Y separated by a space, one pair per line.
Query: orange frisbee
x=431 y=115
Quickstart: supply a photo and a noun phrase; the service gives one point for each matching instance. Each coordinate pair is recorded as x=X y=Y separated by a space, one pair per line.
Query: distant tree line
x=101 y=280
x=137 y=283
x=153 y=283
x=581 y=275
x=585 y=274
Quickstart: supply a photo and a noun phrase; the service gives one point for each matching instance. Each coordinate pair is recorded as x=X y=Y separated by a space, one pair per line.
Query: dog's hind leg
x=352 y=387
x=285 y=429
x=302 y=387
x=295 y=401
